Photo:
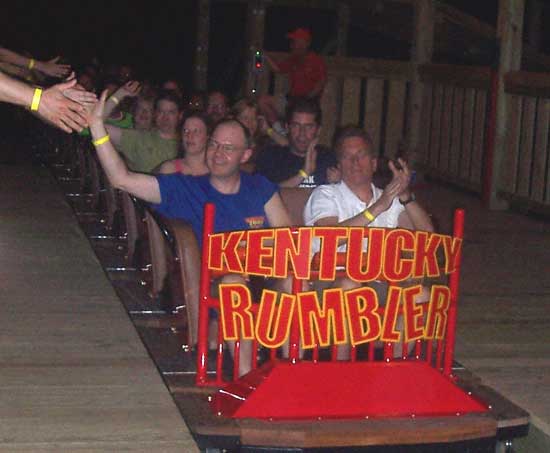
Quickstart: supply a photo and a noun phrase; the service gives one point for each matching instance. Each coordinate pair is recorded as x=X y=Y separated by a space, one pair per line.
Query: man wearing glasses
x=242 y=201
x=302 y=163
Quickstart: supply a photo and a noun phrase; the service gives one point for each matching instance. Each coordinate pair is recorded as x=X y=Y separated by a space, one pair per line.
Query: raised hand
x=54 y=69
x=78 y=93
x=94 y=112
x=310 y=163
x=403 y=175
x=131 y=88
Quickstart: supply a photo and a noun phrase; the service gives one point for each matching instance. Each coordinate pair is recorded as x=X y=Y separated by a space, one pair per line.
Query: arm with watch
x=413 y=217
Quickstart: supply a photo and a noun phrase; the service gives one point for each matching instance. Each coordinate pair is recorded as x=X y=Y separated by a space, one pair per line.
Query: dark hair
x=234 y=121
x=241 y=105
x=210 y=93
x=168 y=95
x=304 y=105
x=200 y=115
x=350 y=131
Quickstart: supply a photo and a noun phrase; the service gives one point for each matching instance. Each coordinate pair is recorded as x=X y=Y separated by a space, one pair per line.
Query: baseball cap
x=300 y=33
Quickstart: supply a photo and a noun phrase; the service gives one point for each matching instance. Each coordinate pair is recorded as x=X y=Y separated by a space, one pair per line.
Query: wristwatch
x=408 y=200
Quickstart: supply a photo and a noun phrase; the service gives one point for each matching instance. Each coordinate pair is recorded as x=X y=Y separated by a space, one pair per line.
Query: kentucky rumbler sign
x=403 y=258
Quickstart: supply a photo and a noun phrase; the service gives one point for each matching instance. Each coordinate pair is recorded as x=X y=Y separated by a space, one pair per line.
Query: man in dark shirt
x=302 y=163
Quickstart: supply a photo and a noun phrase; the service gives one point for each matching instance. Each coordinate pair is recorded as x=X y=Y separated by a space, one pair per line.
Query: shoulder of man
x=255 y=180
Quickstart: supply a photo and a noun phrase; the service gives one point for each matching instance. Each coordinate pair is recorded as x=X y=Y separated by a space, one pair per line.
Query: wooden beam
x=343 y=27
x=525 y=83
x=255 y=24
x=362 y=67
x=509 y=34
x=201 y=53
x=466 y=76
x=421 y=53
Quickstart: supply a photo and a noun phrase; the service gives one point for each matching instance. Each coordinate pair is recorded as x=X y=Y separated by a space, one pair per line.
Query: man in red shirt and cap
x=307 y=74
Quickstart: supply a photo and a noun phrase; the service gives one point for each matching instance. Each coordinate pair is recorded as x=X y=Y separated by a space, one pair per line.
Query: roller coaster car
x=418 y=401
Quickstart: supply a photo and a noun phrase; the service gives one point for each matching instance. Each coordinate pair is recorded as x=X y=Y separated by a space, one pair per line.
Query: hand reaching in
x=78 y=94
x=54 y=69
x=131 y=88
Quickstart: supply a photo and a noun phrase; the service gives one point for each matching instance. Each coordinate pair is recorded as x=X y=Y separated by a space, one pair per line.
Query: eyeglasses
x=225 y=147
x=306 y=127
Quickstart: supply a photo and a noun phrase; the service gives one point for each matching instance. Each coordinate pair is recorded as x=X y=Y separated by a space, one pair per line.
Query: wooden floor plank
x=75 y=376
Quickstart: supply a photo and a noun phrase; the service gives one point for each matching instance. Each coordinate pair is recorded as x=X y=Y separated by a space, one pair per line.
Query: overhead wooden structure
x=457 y=122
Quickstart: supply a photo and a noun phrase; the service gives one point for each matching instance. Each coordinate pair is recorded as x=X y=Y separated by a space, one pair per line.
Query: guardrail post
x=509 y=35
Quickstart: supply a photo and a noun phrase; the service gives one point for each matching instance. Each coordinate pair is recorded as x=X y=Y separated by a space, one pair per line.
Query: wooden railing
x=367 y=92
x=526 y=167
x=454 y=114
x=453 y=136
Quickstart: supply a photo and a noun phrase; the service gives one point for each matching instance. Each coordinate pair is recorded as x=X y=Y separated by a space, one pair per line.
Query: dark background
x=158 y=38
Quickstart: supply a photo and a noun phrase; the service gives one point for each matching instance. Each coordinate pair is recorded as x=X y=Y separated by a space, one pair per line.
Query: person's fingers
x=73 y=121
x=103 y=96
x=84 y=97
x=61 y=125
x=70 y=77
x=78 y=117
x=55 y=60
x=66 y=85
x=73 y=106
x=392 y=167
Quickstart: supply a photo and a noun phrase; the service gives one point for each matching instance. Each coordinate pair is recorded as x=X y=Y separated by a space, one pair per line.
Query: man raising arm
x=242 y=201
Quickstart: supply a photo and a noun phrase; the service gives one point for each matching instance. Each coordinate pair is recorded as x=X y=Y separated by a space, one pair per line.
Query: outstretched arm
x=52 y=105
x=51 y=67
x=141 y=185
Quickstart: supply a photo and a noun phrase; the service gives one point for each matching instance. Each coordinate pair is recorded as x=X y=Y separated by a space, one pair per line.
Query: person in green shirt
x=145 y=150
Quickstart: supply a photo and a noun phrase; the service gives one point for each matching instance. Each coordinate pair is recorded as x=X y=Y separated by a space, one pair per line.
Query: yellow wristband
x=36 y=99
x=303 y=174
x=101 y=140
x=31 y=63
x=368 y=215
x=114 y=99
x=270 y=131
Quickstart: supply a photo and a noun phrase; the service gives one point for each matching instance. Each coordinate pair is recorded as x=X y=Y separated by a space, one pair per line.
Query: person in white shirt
x=356 y=202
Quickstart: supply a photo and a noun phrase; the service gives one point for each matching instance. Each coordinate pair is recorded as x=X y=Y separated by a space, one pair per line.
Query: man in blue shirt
x=242 y=201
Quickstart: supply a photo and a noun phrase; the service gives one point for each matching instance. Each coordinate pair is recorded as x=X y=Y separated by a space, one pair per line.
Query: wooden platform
x=74 y=375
